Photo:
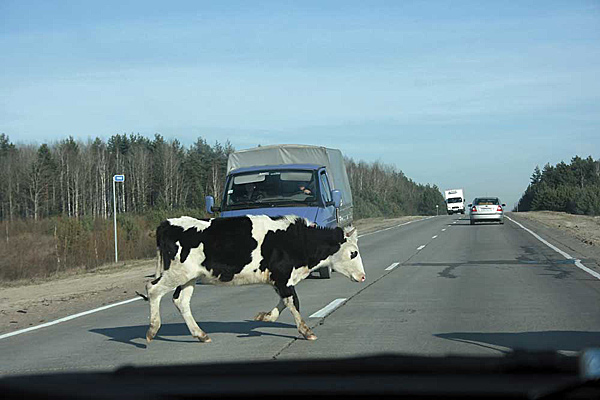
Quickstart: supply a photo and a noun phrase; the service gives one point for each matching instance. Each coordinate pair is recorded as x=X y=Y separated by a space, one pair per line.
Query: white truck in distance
x=455 y=201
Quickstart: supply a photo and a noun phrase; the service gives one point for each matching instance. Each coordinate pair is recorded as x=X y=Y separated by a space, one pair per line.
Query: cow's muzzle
x=358 y=277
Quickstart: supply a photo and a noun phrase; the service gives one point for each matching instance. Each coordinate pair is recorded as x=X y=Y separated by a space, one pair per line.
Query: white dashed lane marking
x=391 y=267
x=433 y=237
x=421 y=247
x=443 y=229
x=328 y=309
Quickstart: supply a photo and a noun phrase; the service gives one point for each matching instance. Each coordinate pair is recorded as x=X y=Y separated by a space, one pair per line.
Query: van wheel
x=325 y=272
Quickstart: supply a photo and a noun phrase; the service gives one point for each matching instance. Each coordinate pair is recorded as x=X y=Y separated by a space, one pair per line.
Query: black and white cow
x=280 y=251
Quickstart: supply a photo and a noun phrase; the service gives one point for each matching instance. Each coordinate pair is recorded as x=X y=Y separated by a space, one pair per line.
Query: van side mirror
x=503 y=205
x=336 y=197
x=210 y=205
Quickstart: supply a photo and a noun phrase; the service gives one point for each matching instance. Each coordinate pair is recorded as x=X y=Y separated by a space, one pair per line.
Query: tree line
x=572 y=188
x=56 y=200
x=381 y=190
x=74 y=179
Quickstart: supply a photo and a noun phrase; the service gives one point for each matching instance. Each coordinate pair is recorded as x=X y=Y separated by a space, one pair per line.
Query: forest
x=56 y=199
x=573 y=188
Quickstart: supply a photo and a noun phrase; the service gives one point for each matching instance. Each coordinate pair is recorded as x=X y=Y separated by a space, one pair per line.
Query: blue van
x=317 y=190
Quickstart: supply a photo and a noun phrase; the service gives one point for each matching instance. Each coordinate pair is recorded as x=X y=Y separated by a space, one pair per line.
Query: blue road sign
x=119 y=178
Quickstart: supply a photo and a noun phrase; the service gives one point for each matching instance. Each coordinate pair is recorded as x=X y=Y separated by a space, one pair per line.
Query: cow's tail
x=157 y=274
x=143 y=296
x=159 y=263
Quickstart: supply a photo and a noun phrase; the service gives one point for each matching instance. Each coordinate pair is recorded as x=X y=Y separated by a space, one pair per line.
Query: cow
x=278 y=251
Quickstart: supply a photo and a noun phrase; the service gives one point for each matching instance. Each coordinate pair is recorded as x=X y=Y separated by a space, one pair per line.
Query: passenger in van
x=247 y=192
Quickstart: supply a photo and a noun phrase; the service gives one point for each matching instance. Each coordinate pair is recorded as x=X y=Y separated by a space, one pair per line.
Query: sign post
x=437 y=207
x=116 y=178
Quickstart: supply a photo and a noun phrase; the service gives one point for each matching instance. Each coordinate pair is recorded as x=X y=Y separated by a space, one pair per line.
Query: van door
x=328 y=217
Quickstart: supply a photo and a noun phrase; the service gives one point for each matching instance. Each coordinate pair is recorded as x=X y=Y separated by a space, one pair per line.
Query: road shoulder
x=589 y=254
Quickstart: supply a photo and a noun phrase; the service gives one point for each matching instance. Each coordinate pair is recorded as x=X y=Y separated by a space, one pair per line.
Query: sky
x=462 y=94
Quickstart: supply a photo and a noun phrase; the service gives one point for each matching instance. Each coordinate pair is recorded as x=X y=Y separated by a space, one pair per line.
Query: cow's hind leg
x=155 y=290
x=181 y=298
x=160 y=286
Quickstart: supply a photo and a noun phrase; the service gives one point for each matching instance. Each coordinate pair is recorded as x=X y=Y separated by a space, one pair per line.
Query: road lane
x=470 y=290
x=484 y=289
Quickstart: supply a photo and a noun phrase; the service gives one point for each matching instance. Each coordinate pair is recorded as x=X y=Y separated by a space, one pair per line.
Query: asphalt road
x=456 y=289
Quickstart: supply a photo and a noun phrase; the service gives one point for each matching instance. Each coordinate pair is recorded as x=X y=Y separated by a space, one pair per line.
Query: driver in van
x=306 y=187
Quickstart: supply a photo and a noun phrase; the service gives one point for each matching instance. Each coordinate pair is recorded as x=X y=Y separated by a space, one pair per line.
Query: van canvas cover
x=332 y=159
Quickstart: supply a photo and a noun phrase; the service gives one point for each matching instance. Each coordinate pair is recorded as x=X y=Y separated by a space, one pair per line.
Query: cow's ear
x=351 y=234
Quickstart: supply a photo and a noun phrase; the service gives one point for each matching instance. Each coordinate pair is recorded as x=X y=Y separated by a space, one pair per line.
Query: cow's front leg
x=181 y=298
x=291 y=301
x=272 y=315
x=302 y=327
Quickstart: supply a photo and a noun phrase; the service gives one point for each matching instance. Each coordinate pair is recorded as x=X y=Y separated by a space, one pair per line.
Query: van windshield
x=454 y=200
x=274 y=188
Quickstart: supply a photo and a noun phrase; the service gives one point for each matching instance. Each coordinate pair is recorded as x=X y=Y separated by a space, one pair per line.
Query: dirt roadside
x=584 y=228
x=578 y=235
x=25 y=304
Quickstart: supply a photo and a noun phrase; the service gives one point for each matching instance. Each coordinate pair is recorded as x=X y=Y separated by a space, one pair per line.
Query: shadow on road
x=244 y=329
x=543 y=340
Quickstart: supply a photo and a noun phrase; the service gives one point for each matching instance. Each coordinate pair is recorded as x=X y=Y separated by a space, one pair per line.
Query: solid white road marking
x=70 y=317
x=328 y=309
x=391 y=267
x=566 y=255
x=433 y=237
x=579 y=264
x=421 y=247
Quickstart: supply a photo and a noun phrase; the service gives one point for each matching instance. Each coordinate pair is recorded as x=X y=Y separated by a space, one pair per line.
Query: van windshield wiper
x=271 y=203
x=292 y=203
x=239 y=206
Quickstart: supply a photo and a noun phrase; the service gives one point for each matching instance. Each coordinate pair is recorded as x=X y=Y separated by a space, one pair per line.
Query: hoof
x=149 y=337
x=262 y=316
x=311 y=336
x=204 y=339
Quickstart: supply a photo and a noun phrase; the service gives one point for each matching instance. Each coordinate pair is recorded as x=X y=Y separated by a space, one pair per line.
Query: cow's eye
x=353 y=254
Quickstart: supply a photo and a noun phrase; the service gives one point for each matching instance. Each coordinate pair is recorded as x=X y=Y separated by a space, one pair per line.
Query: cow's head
x=347 y=260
